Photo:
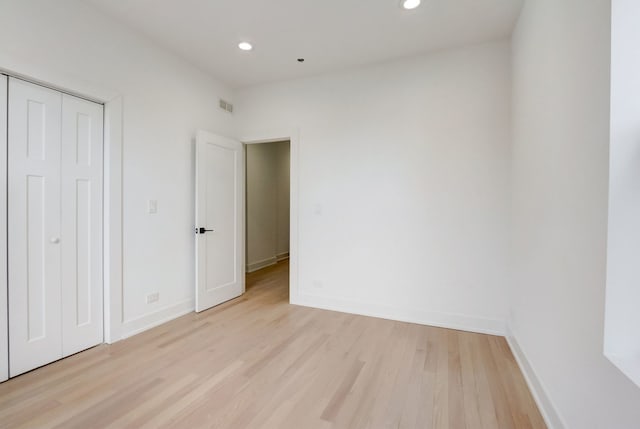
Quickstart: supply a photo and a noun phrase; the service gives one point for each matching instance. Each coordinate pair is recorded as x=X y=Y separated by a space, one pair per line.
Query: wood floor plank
x=456 y=395
x=258 y=362
x=470 y=389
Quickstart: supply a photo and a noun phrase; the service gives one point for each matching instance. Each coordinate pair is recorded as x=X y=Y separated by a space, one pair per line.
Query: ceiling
x=329 y=34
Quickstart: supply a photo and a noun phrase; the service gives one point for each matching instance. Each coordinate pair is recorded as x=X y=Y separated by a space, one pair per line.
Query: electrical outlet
x=152 y=206
x=153 y=297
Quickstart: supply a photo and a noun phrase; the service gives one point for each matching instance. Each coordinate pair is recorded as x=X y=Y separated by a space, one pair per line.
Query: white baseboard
x=548 y=411
x=442 y=320
x=282 y=256
x=258 y=265
x=163 y=315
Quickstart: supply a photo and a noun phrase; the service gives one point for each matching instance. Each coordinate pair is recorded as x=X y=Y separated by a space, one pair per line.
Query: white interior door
x=4 y=327
x=219 y=220
x=81 y=245
x=35 y=331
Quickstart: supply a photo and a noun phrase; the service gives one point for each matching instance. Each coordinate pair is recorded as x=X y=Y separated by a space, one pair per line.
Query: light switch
x=153 y=206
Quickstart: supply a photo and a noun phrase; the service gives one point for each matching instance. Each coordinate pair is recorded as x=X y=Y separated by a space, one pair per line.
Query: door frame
x=293 y=136
x=113 y=103
x=4 y=289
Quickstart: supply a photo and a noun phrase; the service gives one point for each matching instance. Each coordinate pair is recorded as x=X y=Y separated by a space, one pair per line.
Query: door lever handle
x=202 y=230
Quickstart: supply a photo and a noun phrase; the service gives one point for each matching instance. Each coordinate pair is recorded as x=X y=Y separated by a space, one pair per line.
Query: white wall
x=283 y=155
x=165 y=101
x=561 y=58
x=261 y=206
x=403 y=186
x=267 y=203
x=622 y=333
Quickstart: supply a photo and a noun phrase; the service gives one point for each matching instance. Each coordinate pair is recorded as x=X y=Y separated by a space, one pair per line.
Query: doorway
x=268 y=208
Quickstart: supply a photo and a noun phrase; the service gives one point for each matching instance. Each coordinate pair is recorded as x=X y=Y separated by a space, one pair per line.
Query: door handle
x=202 y=230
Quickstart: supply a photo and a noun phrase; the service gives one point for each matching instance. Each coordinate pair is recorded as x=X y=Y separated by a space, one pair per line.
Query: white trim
x=430 y=318
x=156 y=318
x=258 y=265
x=548 y=411
x=293 y=136
x=4 y=325
x=113 y=140
x=113 y=243
x=58 y=81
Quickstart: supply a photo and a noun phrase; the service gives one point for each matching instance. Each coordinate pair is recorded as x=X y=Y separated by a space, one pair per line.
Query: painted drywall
x=403 y=184
x=622 y=333
x=267 y=203
x=261 y=206
x=561 y=59
x=165 y=101
x=283 y=155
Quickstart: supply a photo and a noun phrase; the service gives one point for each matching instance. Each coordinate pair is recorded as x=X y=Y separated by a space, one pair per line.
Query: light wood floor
x=259 y=362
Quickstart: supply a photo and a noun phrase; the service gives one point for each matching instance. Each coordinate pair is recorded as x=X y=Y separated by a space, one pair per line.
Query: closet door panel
x=34 y=236
x=4 y=327
x=82 y=288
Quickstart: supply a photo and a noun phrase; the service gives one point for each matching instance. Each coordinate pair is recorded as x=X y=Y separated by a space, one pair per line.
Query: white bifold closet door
x=54 y=225
x=81 y=197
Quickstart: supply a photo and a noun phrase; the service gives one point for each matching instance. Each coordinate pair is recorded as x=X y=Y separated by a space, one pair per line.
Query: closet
x=54 y=164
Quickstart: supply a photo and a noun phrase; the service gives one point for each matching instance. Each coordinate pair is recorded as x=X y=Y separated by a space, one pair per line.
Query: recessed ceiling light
x=410 y=4
x=245 y=46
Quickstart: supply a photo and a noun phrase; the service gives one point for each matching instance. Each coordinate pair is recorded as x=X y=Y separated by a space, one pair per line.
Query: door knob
x=55 y=240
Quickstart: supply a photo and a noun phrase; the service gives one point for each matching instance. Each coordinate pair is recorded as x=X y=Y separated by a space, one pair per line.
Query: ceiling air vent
x=225 y=105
